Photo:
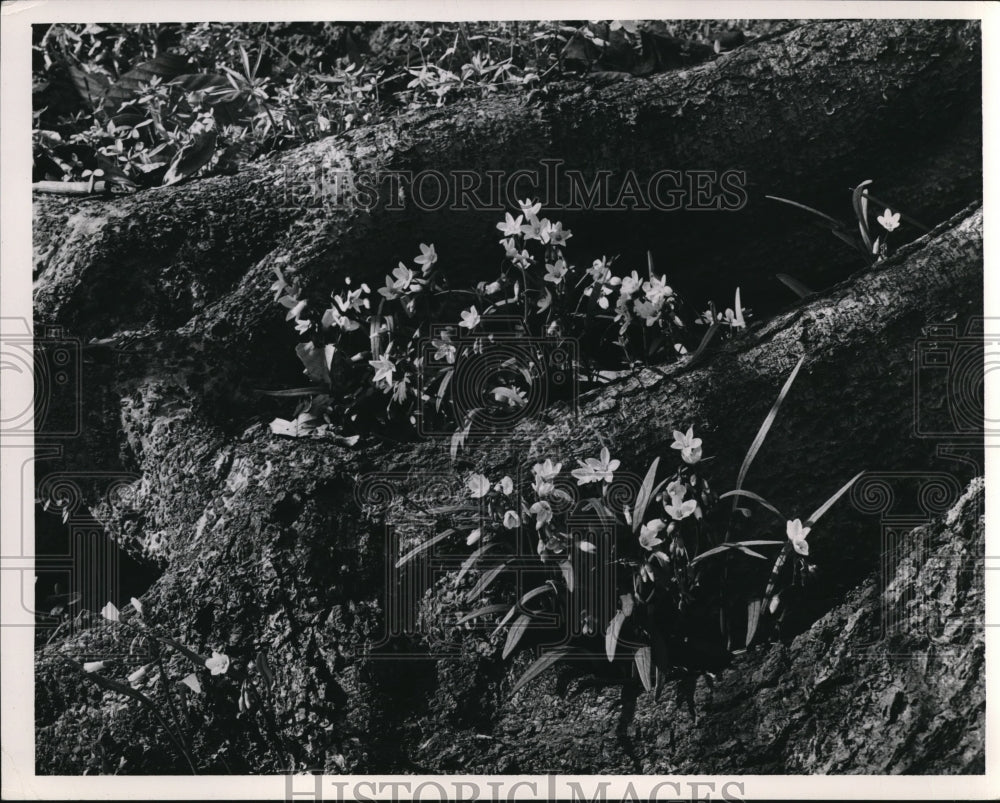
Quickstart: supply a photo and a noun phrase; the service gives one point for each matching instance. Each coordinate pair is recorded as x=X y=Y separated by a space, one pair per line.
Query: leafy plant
x=542 y=316
x=874 y=248
x=163 y=691
x=666 y=567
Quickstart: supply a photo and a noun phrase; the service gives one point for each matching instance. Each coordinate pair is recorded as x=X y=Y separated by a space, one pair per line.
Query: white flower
x=137 y=605
x=691 y=454
x=797 y=535
x=511 y=226
x=191 y=681
x=110 y=612
x=657 y=290
x=470 y=318
x=478 y=486
x=93 y=666
x=543 y=512
x=218 y=663
x=474 y=536
x=596 y=469
x=139 y=674
x=505 y=486
x=685 y=440
x=630 y=285
x=511 y=520
x=649 y=534
x=383 y=370
x=530 y=209
x=444 y=348
x=427 y=258
x=679 y=510
x=558 y=235
x=889 y=220
x=547 y=470
x=556 y=273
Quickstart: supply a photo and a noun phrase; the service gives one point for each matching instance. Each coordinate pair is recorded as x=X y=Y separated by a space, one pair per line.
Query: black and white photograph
x=437 y=403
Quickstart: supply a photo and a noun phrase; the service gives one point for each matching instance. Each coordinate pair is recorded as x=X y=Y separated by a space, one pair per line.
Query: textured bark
x=807 y=116
x=283 y=545
x=273 y=543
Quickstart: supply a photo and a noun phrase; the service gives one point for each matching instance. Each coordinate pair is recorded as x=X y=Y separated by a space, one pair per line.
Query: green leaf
x=91 y=86
x=486 y=579
x=469 y=561
x=809 y=209
x=423 y=547
x=794 y=285
x=644 y=495
x=753 y=619
x=756 y=498
x=514 y=634
x=314 y=359
x=860 y=204
x=611 y=636
x=766 y=426
x=486 y=610
x=443 y=387
x=567 y=572
x=191 y=158
x=829 y=502
x=545 y=588
x=196 y=659
x=166 y=66
x=539 y=666
x=699 y=352
x=507 y=617
x=644 y=663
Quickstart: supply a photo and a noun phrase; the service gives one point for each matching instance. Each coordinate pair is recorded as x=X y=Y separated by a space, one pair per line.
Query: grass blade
x=644 y=663
x=756 y=498
x=540 y=666
x=699 y=352
x=486 y=610
x=514 y=634
x=766 y=426
x=423 y=547
x=860 y=205
x=645 y=494
x=829 y=502
x=809 y=209
x=611 y=637
x=486 y=579
x=793 y=284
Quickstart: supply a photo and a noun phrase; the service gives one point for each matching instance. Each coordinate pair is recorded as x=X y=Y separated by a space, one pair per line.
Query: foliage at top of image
x=137 y=106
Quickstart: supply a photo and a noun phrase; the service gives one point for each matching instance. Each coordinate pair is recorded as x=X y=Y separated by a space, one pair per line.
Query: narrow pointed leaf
x=699 y=353
x=766 y=426
x=829 y=502
x=823 y=215
x=860 y=209
x=753 y=619
x=486 y=610
x=471 y=560
x=611 y=636
x=423 y=547
x=793 y=284
x=539 y=666
x=644 y=495
x=759 y=499
x=567 y=572
x=644 y=663
x=514 y=634
x=485 y=580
